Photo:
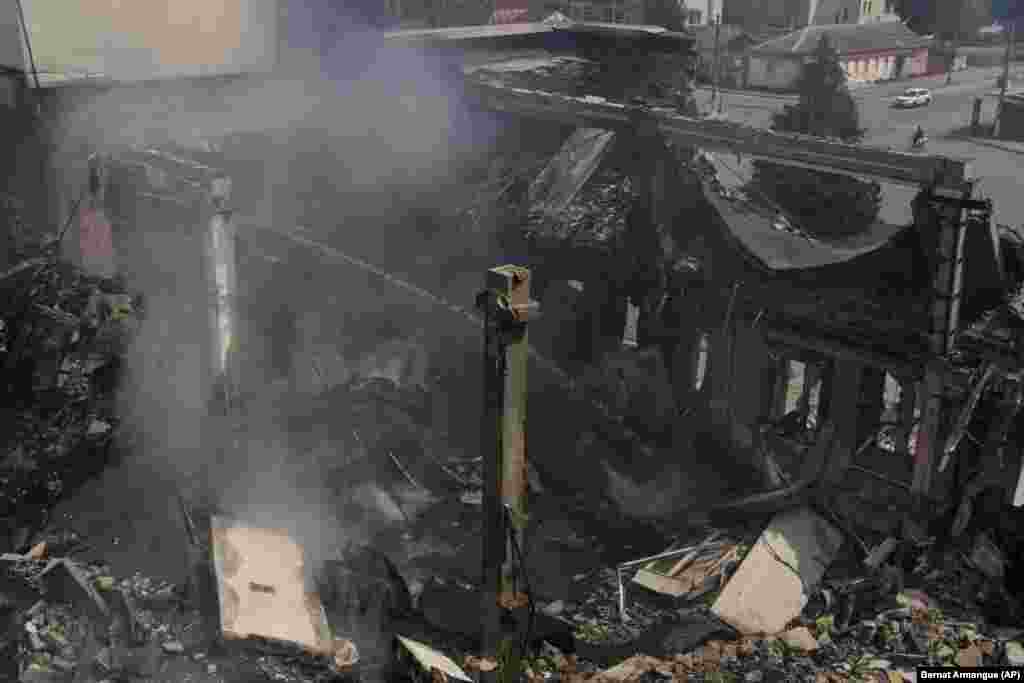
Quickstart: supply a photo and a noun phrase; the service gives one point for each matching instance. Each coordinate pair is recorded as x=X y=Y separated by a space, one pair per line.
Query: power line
x=28 y=43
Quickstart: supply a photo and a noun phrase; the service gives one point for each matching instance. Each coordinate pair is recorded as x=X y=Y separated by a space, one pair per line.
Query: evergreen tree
x=824 y=204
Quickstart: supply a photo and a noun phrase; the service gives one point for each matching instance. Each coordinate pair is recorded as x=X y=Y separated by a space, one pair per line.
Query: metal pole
x=223 y=282
x=1006 y=78
x=715 y=95
x=507 y=308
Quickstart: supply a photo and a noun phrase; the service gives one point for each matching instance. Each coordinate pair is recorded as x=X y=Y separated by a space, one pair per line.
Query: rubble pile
x=62 y=335
x=595 y=219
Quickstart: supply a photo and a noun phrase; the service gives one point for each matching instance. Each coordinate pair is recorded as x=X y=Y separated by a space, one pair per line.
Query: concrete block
x=769 y=588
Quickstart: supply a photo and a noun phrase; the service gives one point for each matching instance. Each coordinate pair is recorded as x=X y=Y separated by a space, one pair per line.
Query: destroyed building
x=769 y=370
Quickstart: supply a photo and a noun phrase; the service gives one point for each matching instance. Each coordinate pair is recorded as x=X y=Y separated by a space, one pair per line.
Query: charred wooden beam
x=786 y=149
x=838 y=349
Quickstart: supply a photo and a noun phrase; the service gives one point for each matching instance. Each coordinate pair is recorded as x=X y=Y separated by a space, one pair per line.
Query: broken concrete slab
x=65 y=582
x=800 y=639
x=773 y=582
x=428 y=659
x=262 y=592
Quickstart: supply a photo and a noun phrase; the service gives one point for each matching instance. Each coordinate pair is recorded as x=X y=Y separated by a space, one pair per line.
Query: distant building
x=757 y=15
x=699 y=12
x=733 y=43
x=868 y=52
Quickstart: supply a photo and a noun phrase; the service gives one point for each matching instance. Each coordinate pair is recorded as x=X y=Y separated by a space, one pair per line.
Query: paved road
x=997 y=165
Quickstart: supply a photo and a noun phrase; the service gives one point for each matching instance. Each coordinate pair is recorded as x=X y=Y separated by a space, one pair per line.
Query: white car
x=914 y=97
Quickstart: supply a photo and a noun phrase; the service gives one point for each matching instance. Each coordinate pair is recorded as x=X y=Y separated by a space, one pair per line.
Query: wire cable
x=521 y=562
x=28 y=43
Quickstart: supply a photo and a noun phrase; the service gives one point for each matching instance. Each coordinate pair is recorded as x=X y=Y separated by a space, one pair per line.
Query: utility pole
x=715 y=95
x=1006 y=78
x=507 y=308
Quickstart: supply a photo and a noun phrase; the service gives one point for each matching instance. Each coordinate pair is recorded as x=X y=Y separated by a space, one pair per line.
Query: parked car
x=914 y=97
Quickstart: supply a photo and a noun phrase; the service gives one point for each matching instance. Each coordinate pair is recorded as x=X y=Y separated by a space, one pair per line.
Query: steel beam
x=782 y=148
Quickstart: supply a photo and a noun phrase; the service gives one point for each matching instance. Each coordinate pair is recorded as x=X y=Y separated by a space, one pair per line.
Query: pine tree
x=824 y=204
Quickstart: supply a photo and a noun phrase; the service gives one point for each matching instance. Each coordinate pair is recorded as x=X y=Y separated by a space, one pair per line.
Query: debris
x=483 y=664
x=964 y=420
x=65 y=582
x=970 y=656
x=800 y=639
x=693 y=576
x=98 y=427
x=877 y=557
x=472 y=497
x=987 y=558
x=658 y=577
x=173 y=647
x=633 y=668
x=771 y=585
x=429 y=659
x=553 y=609
x=915 y=600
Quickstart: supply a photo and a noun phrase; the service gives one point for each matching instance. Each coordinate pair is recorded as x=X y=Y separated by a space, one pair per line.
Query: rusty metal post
x=507 y=308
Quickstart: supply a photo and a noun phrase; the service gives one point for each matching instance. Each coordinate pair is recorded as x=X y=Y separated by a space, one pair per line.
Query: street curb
x=989 y=143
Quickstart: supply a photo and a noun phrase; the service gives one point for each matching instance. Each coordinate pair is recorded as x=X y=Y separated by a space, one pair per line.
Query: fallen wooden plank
x=769 y=589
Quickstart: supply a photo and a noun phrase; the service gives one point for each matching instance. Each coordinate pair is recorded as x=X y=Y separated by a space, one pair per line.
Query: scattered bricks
x=66 y=582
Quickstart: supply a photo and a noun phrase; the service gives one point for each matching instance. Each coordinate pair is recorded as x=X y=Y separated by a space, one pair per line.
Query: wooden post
x=778 y=408
x=908 y=412
x=506 y=305
x=844 y=409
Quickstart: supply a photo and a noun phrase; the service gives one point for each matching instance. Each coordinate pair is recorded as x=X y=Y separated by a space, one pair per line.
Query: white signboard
x=132 y=40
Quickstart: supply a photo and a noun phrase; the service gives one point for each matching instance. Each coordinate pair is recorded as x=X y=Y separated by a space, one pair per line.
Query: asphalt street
x=996 y=164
